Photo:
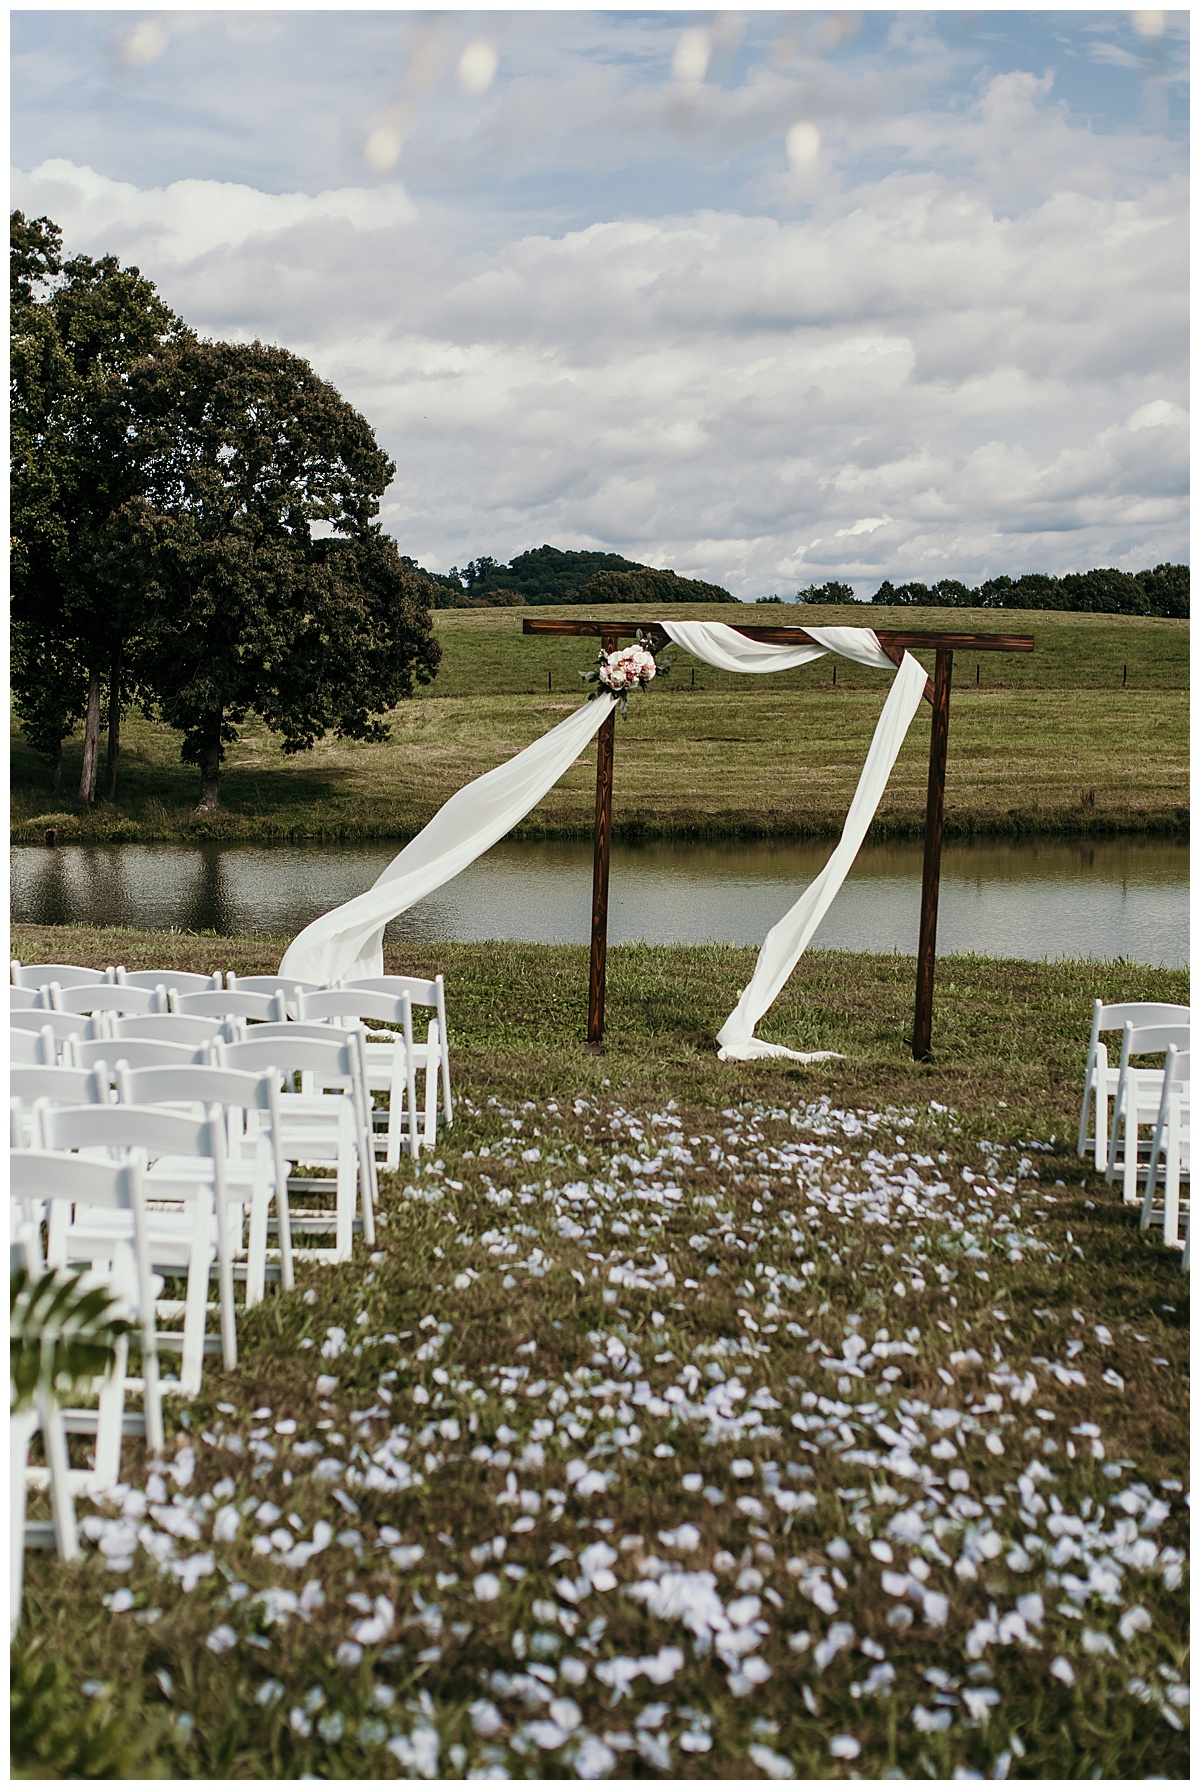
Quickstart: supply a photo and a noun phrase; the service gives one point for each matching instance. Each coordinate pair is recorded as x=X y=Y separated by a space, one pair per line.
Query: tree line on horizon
x=1162 y=590
x=193 y=530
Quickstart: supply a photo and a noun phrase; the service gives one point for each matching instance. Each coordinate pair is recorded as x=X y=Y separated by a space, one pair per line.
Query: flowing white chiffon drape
x=348 y=942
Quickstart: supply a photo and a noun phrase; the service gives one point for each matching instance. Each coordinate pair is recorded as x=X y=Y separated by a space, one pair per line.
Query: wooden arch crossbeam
x=937 y=693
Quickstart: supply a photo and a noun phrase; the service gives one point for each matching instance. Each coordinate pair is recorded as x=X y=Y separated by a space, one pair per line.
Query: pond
x=1044 y=899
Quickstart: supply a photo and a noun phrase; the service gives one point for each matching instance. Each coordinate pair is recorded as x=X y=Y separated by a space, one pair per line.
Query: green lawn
x=690 y=1419
x=1045 y=742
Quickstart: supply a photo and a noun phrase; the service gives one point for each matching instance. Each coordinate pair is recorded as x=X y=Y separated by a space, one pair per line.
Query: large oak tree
x=255 y=546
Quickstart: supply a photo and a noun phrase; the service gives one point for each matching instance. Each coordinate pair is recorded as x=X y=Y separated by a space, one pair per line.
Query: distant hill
x=559 y=575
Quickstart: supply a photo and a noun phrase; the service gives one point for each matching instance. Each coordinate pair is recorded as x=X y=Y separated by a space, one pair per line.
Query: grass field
x=689 y=1420
x=1045 y=742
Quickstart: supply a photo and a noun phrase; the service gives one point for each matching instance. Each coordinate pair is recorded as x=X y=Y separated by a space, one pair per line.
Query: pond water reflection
x=1042 y=899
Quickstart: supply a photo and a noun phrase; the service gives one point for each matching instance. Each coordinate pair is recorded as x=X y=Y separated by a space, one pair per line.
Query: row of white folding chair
x=68 y=975
x=1101 y=1078
x=1137 y=1098
x=317 y=1132
x=432 y=1053
x=149 y=1073
x=1172 y=1146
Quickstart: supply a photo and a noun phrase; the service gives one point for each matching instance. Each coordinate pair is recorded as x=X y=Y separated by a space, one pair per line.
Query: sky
x=771 y=298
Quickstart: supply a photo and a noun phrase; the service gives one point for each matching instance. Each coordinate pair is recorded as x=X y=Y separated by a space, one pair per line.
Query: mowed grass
x=689 y=1418
x=1044 y=742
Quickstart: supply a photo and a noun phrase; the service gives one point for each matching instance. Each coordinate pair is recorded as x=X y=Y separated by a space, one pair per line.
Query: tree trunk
x=114 y=729
x=57 y=785
x=91 y=741
x=210 y=769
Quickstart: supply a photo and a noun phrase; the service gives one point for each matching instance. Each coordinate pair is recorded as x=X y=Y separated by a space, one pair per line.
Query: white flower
x=485 y=1717
x=844 y=1746
x=772 y=1765
x=486 y=1587
x=593 y=1759
x=222 y=1639
x=1063 y=1670
x=1132 y=1622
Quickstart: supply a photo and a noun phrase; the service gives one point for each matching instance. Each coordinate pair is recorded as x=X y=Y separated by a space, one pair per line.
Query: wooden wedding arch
x=937 y=694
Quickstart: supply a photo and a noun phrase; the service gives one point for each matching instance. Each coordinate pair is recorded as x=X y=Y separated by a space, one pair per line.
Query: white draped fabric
x=348 y=942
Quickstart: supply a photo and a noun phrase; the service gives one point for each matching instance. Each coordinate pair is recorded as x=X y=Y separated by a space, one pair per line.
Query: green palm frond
x=61 y=1333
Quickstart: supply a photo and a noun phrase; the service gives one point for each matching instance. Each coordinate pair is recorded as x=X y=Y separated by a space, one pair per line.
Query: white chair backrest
x=150 y=1129
x=331 y=1059
x=183 y=981
x=268 y=984
x=26 y=1048
x=354 y=1003
x=67 y=975
x=65 y=1087
x=172 y=1028
x=106 y=997
x=421 y=993
x=25 y=1000
x=1151 y=1040
x=59 y=1025
x=1116 y=1016
x=231 y=1003
x=195 y=1084
x=82 y=1180
x=138 y=1053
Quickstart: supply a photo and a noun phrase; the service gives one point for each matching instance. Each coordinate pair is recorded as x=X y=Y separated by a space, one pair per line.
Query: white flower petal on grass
x=1132 y=1622
x=486 y=1587
x=593 y=1759
x=349 y=1653
x=221 y=1639
x=1093 y=1641
x=771 y=1764
x=1063 y=1670
x=844 y=1746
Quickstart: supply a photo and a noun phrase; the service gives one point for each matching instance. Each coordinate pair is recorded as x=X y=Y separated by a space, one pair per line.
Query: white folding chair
x=191 y=1224
x=255 y=1169
x=318 y=1128
x=1172 y=1146
x=106 y=997
x=389 y=1065
x=67 y=975
x=231 y=1003
x=1139 y=1092
x=1100 y=1079
x=182 y=981
x=435 y=1051
x=82 y=1190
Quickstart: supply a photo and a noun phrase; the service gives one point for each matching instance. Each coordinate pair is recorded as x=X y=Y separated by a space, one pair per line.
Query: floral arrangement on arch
x=629 y=668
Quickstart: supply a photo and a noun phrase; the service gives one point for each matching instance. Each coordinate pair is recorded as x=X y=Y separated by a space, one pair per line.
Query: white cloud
x=959 y=350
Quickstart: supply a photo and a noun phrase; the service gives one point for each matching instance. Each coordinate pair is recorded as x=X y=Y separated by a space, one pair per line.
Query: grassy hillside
x=1051 y=741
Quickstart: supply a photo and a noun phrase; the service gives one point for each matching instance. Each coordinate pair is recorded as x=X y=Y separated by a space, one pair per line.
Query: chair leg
x=61 y=1503
x=1171 y=1189
x=432 y=1064
x=195 y=1316
x=110 y=1417
x=348 y=1178
x=22 y=1426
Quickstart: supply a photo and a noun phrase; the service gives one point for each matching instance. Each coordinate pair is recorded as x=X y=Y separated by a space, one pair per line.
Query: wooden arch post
x=894 y=643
